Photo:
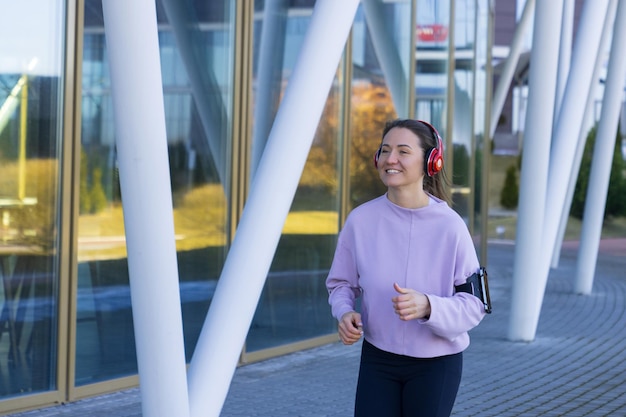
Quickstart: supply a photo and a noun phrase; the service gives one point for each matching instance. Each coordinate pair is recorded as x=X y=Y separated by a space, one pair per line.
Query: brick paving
x=576 y=366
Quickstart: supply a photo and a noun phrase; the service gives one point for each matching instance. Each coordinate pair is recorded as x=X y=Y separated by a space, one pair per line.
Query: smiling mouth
x=392 y=171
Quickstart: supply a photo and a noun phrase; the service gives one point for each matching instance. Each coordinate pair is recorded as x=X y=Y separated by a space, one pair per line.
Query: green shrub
x=510 y=190
x=98 y=196
x=616 y=194
x=461 y=160
x=92 y=195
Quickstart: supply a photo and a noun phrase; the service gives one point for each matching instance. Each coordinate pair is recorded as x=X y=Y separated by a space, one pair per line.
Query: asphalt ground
x=575 y=366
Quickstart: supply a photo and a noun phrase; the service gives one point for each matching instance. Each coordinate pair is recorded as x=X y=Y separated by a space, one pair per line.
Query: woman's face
x=401 y=160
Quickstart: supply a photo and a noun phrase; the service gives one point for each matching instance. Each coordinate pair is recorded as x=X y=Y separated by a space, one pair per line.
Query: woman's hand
x=410 y=304
x=350 y=328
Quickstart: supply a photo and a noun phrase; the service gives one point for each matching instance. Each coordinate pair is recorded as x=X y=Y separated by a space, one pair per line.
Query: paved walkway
x=576 y=366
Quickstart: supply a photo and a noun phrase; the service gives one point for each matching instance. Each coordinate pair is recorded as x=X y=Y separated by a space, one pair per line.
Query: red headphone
x=433 y=159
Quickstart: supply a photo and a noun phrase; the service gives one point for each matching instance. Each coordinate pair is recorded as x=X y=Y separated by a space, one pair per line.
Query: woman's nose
x=392 y=157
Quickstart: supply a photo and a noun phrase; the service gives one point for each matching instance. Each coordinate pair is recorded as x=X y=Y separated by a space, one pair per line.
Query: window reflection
x=373 y=96
x=480 y=105
x=463 y=121
x=104 y=333
x=433 y=20
x=30 y=126
x=432 y=88
x=195 y=41
x=293 y=306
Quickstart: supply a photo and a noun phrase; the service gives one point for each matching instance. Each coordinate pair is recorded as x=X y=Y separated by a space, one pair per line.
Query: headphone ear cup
x=434 y=162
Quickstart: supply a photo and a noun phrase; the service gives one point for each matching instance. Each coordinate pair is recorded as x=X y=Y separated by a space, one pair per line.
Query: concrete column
x=388 y=55
x=137 y=91
x=532 y=264
x=504 y=81
x=565 y=50
x=569 y=123
x=595 y=202
x=272 y=191
x=527 y=287
x=588 y=121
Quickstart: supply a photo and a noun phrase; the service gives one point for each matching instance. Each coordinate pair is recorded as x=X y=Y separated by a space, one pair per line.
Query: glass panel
x=31 y=79
x=480 y=108
x=374 y=91
x=464 y=95
x=431 y=72
x=293 y=305
x=197 y=60
x=196 y=47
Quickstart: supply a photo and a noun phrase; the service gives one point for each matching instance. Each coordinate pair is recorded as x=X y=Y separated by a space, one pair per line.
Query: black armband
x=478 y=286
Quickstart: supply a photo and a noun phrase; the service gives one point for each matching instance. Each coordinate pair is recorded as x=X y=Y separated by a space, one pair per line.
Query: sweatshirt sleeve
x=342 y=281
x=452 y=316
x=455 y=315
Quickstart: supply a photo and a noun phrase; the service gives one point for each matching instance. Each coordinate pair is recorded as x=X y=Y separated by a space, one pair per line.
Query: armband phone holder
x=478 y=286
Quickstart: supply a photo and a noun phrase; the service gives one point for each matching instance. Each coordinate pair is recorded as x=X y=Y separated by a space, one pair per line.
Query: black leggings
x=393 y=385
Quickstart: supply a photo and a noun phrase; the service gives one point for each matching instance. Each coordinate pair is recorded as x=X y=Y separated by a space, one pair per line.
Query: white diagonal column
x=595 y=201
x=582 y=134
x=133 y=52
x=527 y=292
x=569 y=122
x=272 y=191
x=565 y=50
x=532 y=266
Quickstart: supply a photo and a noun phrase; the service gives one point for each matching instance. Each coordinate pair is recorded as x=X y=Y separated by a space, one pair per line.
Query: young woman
x=403 y=253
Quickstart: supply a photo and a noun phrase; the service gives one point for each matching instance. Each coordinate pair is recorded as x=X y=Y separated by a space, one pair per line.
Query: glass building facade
x=66 y=324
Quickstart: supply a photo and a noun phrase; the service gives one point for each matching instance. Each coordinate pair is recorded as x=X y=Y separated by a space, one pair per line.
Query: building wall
x=66 y=318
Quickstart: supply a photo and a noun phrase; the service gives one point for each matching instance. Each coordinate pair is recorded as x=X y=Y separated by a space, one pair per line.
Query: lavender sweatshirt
x=428 y=249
